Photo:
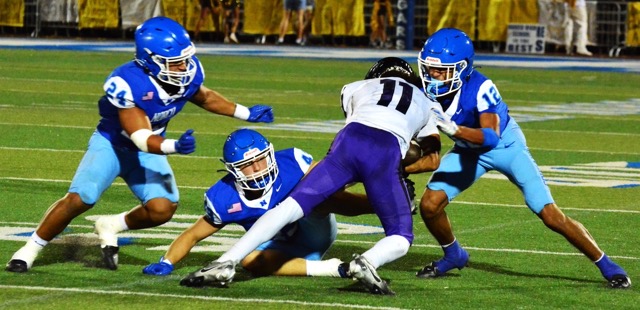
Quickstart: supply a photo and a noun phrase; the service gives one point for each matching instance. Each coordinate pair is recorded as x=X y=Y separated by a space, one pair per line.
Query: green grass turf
x=48 y=111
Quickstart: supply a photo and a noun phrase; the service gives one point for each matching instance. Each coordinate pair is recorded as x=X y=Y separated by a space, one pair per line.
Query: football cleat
x=110 y=257
x=17 y=265
x=620 y=281
x=216 y=274
x=429 y=271
x=440 y=268
x=363 y=271
x=22 y=260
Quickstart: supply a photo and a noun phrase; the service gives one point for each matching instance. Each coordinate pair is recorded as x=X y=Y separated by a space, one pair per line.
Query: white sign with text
x=525 y=39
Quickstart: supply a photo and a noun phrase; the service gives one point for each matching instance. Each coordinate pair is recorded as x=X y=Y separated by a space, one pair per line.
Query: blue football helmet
x=449 y=51
x=161 y=41
x=243 y=148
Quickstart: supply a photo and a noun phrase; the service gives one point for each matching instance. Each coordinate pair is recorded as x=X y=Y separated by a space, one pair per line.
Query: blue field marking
x=358 y=54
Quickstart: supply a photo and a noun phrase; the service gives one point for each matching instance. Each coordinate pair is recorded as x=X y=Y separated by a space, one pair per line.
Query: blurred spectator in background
x=575 y=30
x=381 y=17
x=231 y=20
x=289 y=6
x=208 y=8
x=308 y=20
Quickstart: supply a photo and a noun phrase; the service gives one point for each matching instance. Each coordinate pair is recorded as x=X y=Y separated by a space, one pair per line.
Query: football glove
x=411 y=188
x=161 y=268
x=444 y=123
x=260 y=113
x=187 y=143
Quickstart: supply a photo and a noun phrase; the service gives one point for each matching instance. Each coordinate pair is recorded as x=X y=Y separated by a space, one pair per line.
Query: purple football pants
x=362 y=154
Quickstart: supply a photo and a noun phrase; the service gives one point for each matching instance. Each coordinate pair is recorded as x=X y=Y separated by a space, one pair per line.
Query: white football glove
x=444 y=123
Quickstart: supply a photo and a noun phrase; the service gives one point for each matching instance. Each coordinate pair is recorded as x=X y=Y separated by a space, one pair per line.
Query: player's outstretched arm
x=181 y=246
x=214 y=102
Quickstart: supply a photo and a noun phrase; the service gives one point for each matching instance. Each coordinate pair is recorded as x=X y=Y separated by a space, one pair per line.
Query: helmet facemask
x=178 y=78
x=259 y=180
x=451 y=71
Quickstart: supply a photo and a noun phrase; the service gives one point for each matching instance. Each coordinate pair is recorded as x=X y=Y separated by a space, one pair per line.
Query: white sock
x=387 y=250
x=122 y=225
x=323 y=268
x=39 y=241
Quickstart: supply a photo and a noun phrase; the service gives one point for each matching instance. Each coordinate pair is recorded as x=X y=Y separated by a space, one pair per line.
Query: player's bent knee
x=257 y=264
x=161 y=210
x=88 y=193
x=432 y=203
x=553 y=217
x=75 y=200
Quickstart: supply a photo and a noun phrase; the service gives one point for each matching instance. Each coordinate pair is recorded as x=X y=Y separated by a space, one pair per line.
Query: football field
x=582 y=127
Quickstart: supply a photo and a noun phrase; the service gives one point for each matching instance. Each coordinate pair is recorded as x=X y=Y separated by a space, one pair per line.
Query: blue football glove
x=158 y=269
x=187 y=143
x=260 y=113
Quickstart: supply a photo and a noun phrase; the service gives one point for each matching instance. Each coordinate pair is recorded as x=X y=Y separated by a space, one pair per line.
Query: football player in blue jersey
x=141 y=97
x=486 y=138
x=258 y=180
x=384 y=111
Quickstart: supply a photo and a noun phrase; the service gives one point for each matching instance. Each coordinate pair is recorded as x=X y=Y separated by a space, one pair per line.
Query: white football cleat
x=216 y=274
x=363 y=271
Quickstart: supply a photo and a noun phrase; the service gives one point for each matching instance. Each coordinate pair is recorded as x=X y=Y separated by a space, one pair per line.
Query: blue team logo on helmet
x=244 y=148
x=161 y=41
x=449 y=53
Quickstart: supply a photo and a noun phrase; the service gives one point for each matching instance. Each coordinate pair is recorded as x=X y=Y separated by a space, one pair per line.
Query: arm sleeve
x=488 y=97
x=118 y=92
x=210 y=210
x=303 y=159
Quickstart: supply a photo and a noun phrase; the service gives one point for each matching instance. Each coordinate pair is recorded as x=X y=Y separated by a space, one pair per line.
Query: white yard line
x=253 y=301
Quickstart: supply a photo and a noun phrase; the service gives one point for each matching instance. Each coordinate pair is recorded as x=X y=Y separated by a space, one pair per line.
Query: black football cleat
x=429 y=271
x=110 y=257
x=433 y=271
x=620 y=281
x=17 y=265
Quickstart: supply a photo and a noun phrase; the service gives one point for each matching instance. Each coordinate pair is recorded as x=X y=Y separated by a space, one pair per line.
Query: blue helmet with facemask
x=242 y=149
x=449 y=52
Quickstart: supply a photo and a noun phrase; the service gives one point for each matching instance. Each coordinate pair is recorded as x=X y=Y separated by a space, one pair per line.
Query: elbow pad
x=491 y=138
x=140 y=138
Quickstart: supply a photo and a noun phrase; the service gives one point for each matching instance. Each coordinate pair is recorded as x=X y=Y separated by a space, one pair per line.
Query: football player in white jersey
x=486 y=138
x=141 y=97
x=258 y=180
x=383 y=113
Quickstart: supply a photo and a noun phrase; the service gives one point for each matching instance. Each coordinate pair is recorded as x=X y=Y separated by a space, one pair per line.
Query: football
x=413 y=154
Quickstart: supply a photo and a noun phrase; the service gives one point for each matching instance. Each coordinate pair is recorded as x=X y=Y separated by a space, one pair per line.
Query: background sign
x=525 y=39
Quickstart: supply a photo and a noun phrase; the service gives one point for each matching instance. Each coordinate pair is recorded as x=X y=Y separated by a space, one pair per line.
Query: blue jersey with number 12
x=478 y=95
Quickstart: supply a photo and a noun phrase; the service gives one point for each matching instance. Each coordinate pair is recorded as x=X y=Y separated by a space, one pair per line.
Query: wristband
x=241 y=112
x=168 y=146
x=491 y=138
